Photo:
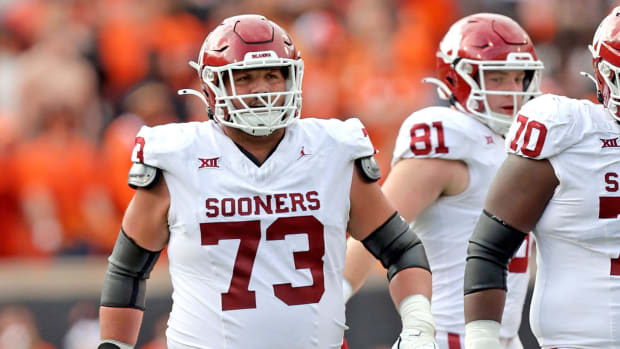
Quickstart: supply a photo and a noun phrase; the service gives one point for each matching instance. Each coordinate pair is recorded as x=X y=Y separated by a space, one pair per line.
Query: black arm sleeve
x=129 y=266
x=396 y=246
x=491 y=246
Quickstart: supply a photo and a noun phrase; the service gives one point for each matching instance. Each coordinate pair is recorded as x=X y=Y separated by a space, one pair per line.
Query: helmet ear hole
x=453 y=79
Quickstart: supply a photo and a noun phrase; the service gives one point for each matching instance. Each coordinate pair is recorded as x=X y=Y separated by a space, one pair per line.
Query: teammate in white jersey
x=445 y=159
x=561 y=179
x=254 y=206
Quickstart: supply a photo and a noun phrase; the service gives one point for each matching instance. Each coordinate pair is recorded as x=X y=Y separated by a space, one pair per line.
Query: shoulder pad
x=142 y=176
x=351 y=136
x=369 y=168
x=440 y=132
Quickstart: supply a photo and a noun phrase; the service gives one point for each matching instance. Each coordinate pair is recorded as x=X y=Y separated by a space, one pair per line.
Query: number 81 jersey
x=256 y=252
x=576 y=301
x=445 y=225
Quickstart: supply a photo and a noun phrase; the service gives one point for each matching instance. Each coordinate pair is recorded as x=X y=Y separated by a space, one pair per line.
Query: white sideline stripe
x=63 y=278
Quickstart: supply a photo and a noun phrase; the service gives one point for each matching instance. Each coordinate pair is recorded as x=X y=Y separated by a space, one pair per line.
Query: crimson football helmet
x=479 y=43
x=249 y=42
x=605 y=51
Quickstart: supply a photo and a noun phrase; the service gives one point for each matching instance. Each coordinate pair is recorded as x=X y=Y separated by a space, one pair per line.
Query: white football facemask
x=273 y=111
x=477 y=103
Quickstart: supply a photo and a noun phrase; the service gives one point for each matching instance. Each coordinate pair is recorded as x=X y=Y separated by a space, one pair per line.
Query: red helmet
x=479 y=43
x=250 y=42
x=605 y=51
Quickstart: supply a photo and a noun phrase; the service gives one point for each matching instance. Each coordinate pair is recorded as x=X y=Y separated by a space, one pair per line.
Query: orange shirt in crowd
x=58 y=179
x=16 y=239
x=118 y=143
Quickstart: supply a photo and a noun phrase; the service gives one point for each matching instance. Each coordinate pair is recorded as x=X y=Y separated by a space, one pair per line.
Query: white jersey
x=576 y=301
x=446 y=225
x=256 y=252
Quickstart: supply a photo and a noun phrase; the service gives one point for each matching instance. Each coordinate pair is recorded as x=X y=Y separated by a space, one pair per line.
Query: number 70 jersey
x=256 y=252
x=576 y=301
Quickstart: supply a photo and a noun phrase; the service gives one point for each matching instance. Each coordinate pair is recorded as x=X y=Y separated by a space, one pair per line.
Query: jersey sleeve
x=159 y=146
x=352 y=136
x=545 y=127
x=435 y=133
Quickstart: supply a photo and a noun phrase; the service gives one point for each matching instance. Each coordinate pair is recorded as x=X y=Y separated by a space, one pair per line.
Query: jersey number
x=609 y=207
x=424 y=139
x=540 y=136
x=249 y=233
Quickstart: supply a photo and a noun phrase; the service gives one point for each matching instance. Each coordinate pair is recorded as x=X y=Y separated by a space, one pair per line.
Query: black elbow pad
x=396 y=246
x=129 y=266
x=491 y=246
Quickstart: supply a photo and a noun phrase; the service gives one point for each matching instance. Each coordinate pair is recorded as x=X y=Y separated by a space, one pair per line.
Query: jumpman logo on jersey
x=489 y=140
x=302 y=153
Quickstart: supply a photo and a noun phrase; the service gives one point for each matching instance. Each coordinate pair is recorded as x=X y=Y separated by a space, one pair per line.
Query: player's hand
x=414 y=339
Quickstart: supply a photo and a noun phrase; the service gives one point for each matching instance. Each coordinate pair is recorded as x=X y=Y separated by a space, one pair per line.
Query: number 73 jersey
x=256 y=252
x=576 y=301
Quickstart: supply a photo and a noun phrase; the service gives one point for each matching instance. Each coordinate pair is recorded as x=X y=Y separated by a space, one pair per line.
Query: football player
x=560 y=180
x=446 y=157
x=254 y=206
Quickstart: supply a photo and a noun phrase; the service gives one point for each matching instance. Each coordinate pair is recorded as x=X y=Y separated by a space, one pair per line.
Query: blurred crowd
x=78 y=78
